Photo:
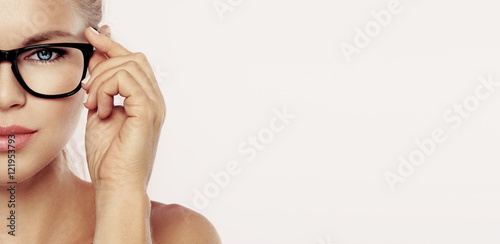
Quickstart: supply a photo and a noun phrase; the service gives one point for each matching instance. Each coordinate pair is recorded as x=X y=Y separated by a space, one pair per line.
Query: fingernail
x=86 y=97
x=94 y=30
x=84 y=81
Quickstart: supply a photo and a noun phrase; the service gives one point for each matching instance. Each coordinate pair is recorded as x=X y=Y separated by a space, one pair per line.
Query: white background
x=321 y=179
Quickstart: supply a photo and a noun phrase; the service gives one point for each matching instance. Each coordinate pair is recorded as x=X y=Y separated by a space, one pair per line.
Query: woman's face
x=55 y=120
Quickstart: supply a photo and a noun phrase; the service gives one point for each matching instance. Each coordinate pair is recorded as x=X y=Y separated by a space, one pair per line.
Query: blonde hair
x=91 y=10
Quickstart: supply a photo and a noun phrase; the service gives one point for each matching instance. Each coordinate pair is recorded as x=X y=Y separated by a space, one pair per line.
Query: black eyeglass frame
x=12 y=55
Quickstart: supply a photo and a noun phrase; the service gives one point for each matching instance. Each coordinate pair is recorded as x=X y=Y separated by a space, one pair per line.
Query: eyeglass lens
x=51 y=70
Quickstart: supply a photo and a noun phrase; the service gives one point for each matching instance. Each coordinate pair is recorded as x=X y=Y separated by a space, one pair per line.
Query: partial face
x=27 y=22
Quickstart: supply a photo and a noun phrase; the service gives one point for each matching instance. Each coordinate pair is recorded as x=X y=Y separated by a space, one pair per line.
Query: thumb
x=98 y=56
x=96 y=59
x=104 y=43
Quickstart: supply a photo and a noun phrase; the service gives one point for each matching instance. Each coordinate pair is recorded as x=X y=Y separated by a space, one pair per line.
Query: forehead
x=22 y=19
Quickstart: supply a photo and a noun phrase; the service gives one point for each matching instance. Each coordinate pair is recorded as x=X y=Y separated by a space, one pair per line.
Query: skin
x=52 y=204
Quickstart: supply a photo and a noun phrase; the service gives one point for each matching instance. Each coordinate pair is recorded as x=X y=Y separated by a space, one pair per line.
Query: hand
x=121 y=141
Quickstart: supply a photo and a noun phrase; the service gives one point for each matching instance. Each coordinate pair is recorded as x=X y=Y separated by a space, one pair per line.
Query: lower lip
x=16 y=143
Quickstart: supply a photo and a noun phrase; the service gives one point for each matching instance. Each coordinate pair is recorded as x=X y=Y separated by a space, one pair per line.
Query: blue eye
x=44 y=55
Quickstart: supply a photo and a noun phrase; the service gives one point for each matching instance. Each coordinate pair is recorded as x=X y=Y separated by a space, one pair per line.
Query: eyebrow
x=46 y=36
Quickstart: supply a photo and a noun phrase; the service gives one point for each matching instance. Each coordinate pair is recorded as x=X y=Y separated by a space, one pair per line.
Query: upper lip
x=14 y=129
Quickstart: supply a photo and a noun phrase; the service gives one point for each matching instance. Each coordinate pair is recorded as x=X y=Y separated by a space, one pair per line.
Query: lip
x=22 y=136
x=14 y=129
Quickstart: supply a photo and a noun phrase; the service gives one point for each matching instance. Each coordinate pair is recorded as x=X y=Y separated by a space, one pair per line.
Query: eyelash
x=59 y=52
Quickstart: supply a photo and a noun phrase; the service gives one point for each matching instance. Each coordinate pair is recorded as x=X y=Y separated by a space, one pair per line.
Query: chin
x=27 y=164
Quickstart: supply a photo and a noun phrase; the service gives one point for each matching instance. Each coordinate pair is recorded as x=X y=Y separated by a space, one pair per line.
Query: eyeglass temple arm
x=7 y=55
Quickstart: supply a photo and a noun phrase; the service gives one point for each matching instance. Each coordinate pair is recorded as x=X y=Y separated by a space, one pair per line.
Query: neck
x=52 y=203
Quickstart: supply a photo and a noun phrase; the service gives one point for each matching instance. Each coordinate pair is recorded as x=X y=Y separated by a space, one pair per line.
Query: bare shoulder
x=173 y=223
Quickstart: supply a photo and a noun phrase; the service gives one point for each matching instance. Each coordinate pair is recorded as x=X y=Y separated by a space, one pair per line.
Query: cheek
x=65 y=115
x=59 y=120
x=56 y=121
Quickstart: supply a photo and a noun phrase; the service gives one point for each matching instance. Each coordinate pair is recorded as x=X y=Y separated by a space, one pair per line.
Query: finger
x=121 y=83
x=104 y=44
x=96 y=58
x=137 y=73
x=111 y=63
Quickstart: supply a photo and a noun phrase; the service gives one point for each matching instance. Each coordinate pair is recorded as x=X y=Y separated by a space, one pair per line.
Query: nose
x=12 y=94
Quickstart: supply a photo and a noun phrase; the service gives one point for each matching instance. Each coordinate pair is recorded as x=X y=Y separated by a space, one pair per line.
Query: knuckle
x=142 y=96
x=97 y=87
x=99 y=93
x=132 y=64
x=122 y=74
x=141 y=57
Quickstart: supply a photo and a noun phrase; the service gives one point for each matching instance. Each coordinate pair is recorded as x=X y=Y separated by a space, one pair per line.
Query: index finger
x=104 y=44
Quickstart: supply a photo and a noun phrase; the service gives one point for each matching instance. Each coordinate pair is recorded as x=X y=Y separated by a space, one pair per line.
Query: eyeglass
x=53 y=70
